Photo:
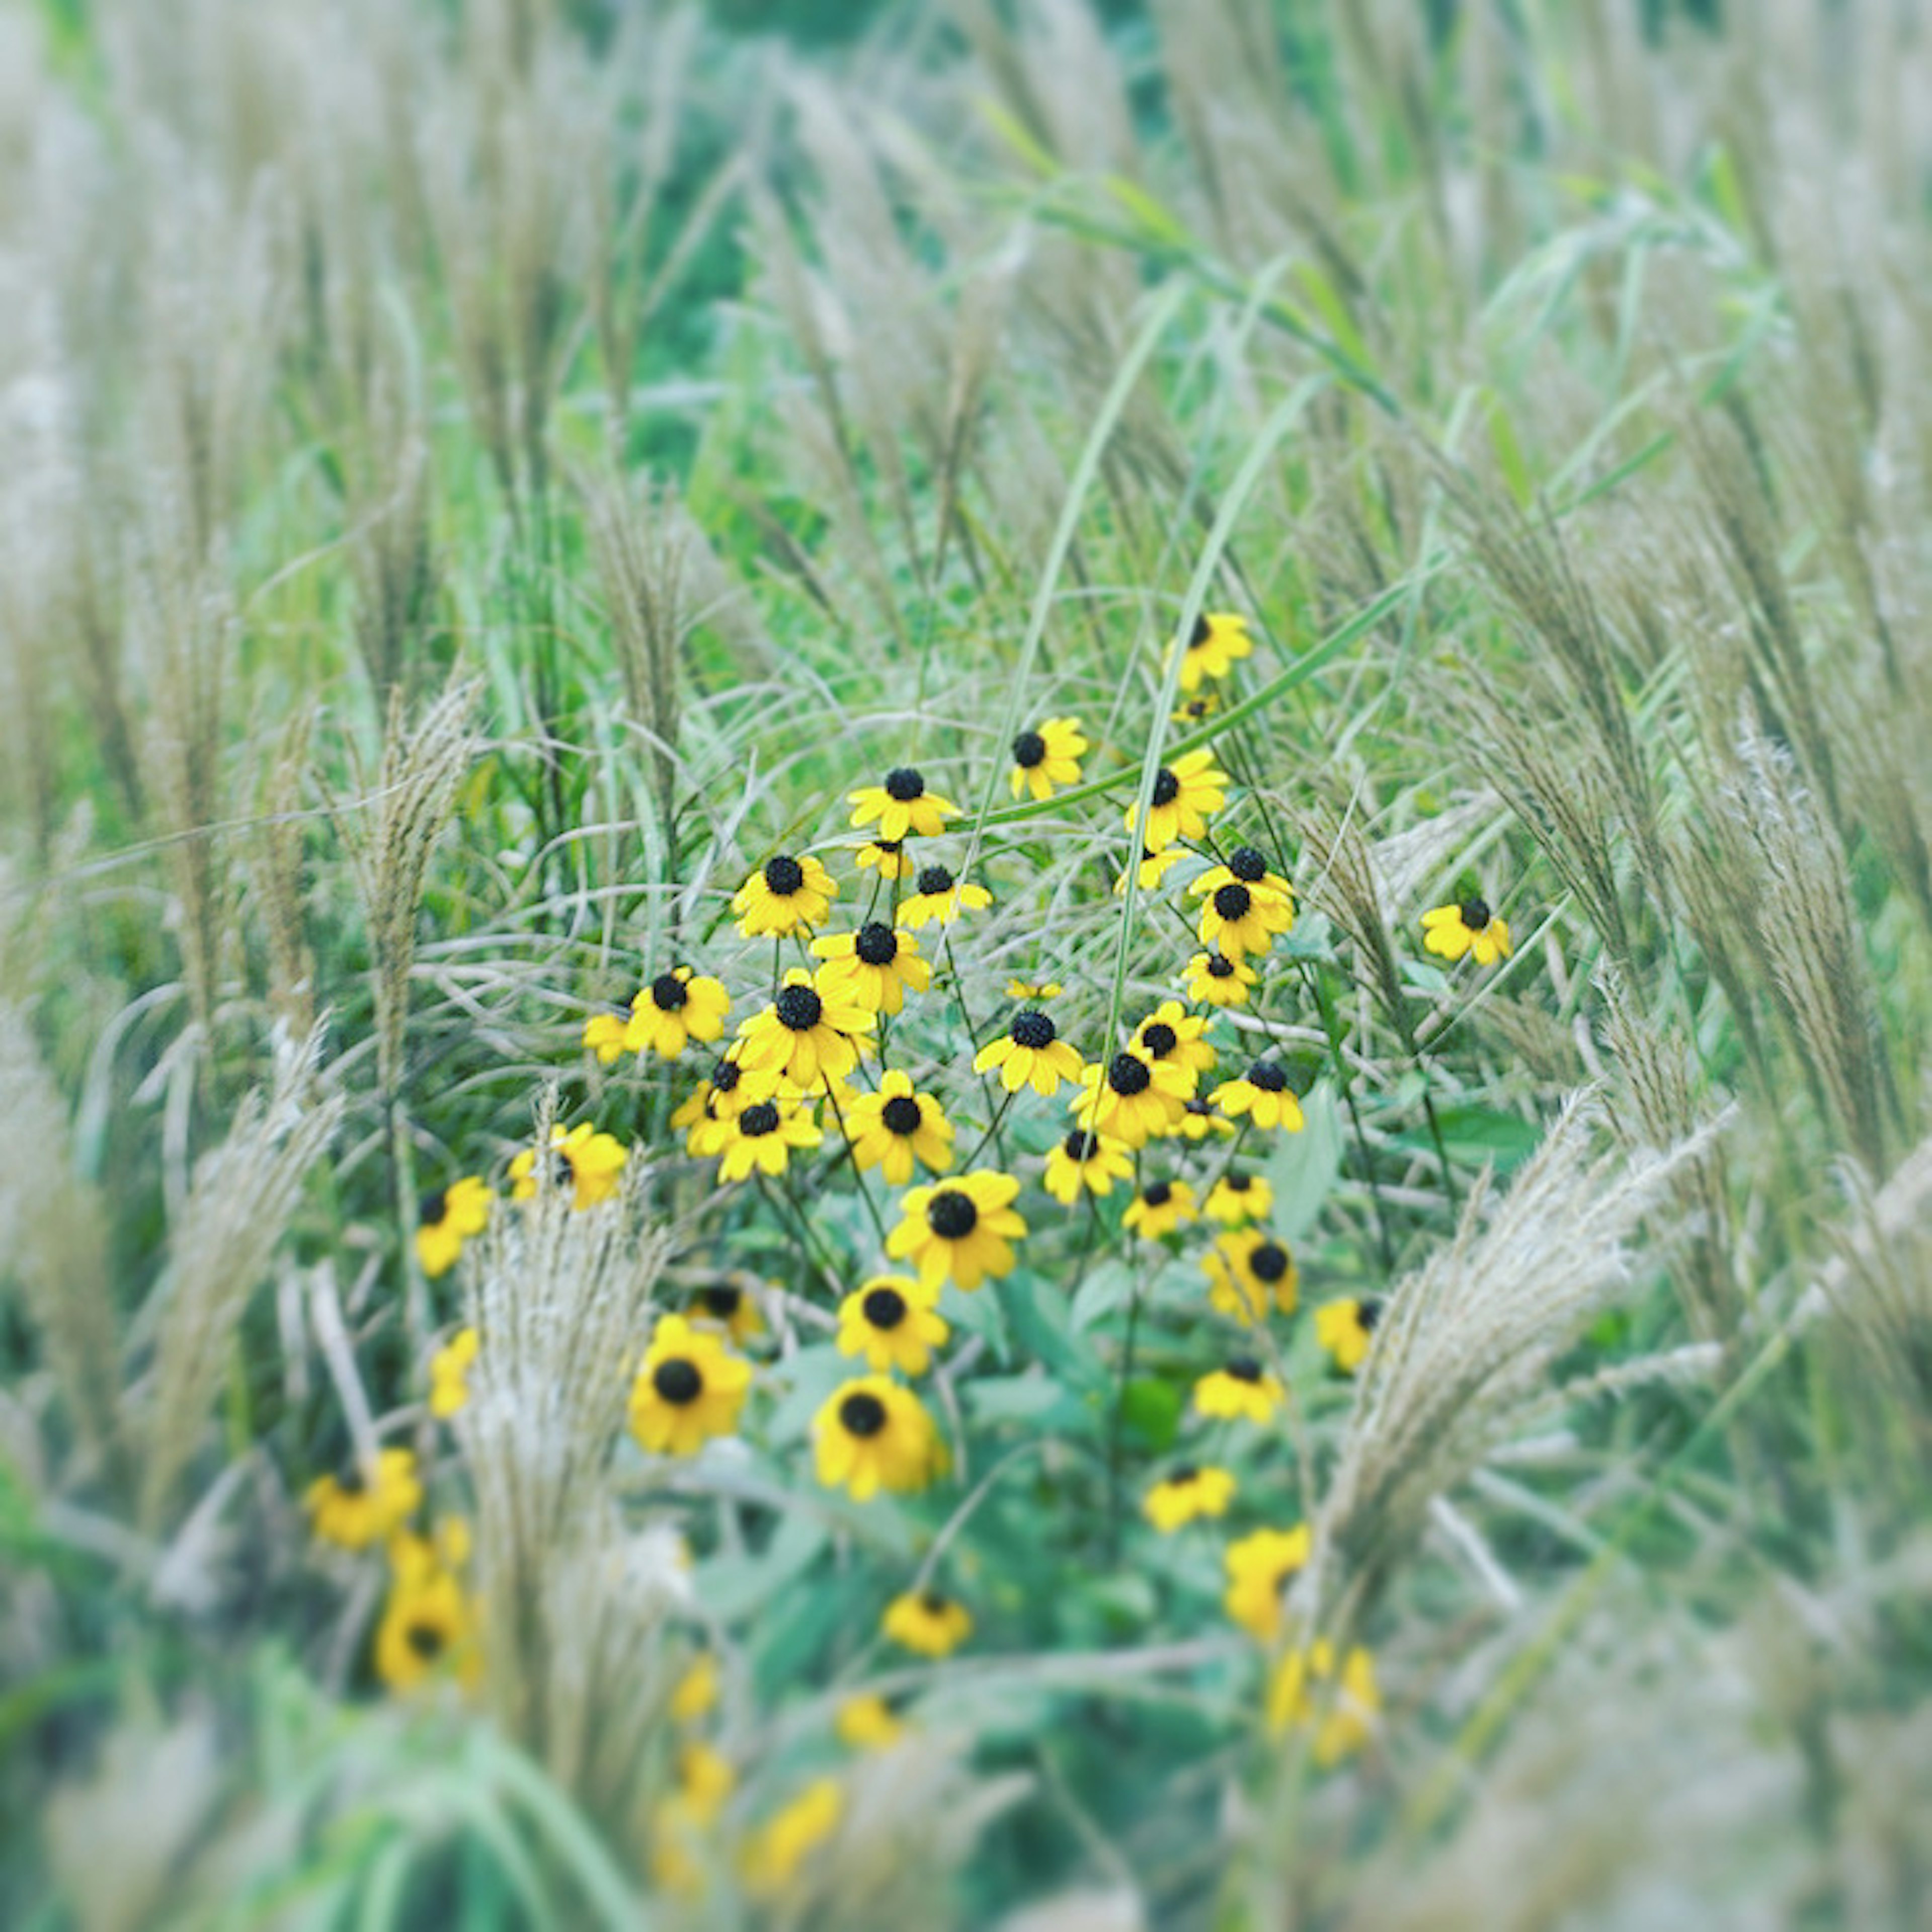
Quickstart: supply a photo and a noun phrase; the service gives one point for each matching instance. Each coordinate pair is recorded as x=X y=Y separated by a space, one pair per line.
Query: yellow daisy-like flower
x=964 y=1228
x=1264 y=1095
x=1471 y=927
x=888 y=857
x=1186 y=793
x=1082 y=1160
x=1047 y=757
x=1236 y=1199
x=1027 y=992
x=939 y=897
x=902 y=806
x=353 y=1512
x=732 y=1307
x=1294 y=1699
x=1258 y=1569
x=871 y=1434
x=1185 y=1494
x=705 y=1779
x=1238 y=919
x=679 y=1822
x=774 y=1853
x=891 y=1320
x=1159 y=1208
x=1218 y=638
x=1132 y=1098
x=676 y=1008
x=1199 y=1121
x=1213 y=980
x=587 y=1161
x=873 y=966
x=927 y=1622
x=604 y=1035
x=449 y=1374
x=784 y=894
x=706 y=1113
x=1241 y=1391
x=689 y=1389
x=867 y=1722
x=1346 y=1328
x=695 y=1696
x=815 y=1028
x=896 y=1125
x=1029 y=1052
x=1154 y=867
x=428 y=1626
x=1170 y=1033
x=447 y=1218
x=1196 y=710
x=763 y=1139
x=1248 y=1270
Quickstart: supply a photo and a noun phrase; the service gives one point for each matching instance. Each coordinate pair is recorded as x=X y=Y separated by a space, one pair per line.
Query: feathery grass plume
x=279 y=892
x=1467 y=1340
x=1344 y=884
x=238 y=1209
x=387 y=490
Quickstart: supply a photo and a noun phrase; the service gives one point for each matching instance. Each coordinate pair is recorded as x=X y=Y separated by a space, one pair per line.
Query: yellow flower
x=1185 y=794
x=1218 y=638
x=1349 y=1721
x=604 y=1035
x=1248 y=1269
x=775 y=1853
x=888 y=857
x=695 y=1695
x=690 y=1388
x=449 y=1374
x=1170 y=1032
x=1259 y=1567
x=1084 y=1160
x=940 y=897
x=676 y=1007
x=1154 y=867
x=1187 y=1493
x=1198 y=1121
x=868 y=1723
x=873 y=967
x=871 y=1435
x=1345 y=1328
x=1196 y=710
x=963 y=1227
x=354 y=1512
x=1159 y=1208
x=902 y=806
x=730 y=1305
x=891 y=1320
x=924 y=1620
x=428 y=1624
x=1264 y=1095
x=1029 y=1052
x=1237 y=1199
x=815 y=1028
x=707 y=1111
x=705 y=1779
x=1240 y=919
x=783 y=895
x=1027 y=992
x=587 y=1161
x=1240 y=1389
x=1047 y=757
x=447 y=1218
x=762 y=1138
x=1132 y=1098
x=1471 y=927
x=896 y=1125
x=1213 y=980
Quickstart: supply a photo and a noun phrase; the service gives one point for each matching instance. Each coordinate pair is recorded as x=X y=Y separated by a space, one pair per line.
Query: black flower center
x=722 y=1300
x=883 y=1307
x=425 y=1641
x=1238 y=1184
x=349 y=1482
x=933 y=1603
x=677 y=1381
x=863 y=1415
x=1199 y=635
x=1268 y=1263
x=904 y=785
x=758 y=1119
x=1157 y=1193
x=725 y=1078
x=1159 y=1039
x=1029 y=750
x=1267 y=1076
x=430 y=1208
x=1220 y=966
x=1245 y=1368
x=1368 y=1313
x=1233 y=900
x=1031 y=1029
x=1247 y=864
x=935 y=879
x=878 y=944
x=900 y=1115
x=1080 y=1145
x=1183 y=1473
x=892 y=845
x=668 y=992
x=1475 y=914
x=952 y=1215
x=784 y=875
x=798 y=1008
x=1128 y=1075
x=1166 y=787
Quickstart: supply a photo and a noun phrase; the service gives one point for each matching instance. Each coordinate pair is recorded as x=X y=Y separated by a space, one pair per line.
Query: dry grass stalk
x=389 y=508
x=1344 y=883
x=280 y=893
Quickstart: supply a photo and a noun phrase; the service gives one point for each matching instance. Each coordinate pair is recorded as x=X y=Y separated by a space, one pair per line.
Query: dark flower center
x=430 y=1208
x=758 y=1119
x=1029 y=750
x=935 y=879
x=883 y=1307
x=904 y=785
x=933 y=1603
x=799 y=1008
x=562 y=1173
x=1080 y=1145
x=863 y=1415
x=1232 y=901
x=1201 y=632
x=952 y=1215
x=1183 y=1473
x=725 y=1078
x=1157 y=1193
x=1031 y=1029
x=1368 y=1313
x=1475 y=914
x=1244 y=1368
x=1267 y=1076
x=349 y=1483
x=1237 y=1183
x=1159 y=1039
x=1166 y=787
x=677 y=1381
x=1128 y=1075
x=900 y=1115
x=668 y=993
x=722 y=1300
x=1268 y=1263
x=1247 y=864
x=425 y=1641
x=878 y=944
x=784 y=875
x=1220 y=966
x=893 y=845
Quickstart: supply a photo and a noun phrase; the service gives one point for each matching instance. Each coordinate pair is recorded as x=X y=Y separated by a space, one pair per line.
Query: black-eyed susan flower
x=676 y=1008
x=902 y=808
x=888 y=857
x=1029 y=1053
x=1199 y=1121
x=872 y=1434
x=1085 y=1162
x=1346 y=1328
x=1159 y=1208
x=813 y=1030
x=928 y=1622
x=1469 y=927
x=1186 y=1493
x=1304 y=1689
x=783 y=895
x=1245 y=866
x=866 y=1722
x=873 y=966
x=705 y=1112
x=1237 y=1199
x=1154 y=867
x=731 y=1305
x=939 y=898
x=604 y=1035
x=1132 y=1098
x=360 y=1508
x=776 y=1852
x=427 y=1628
x=763 y=1139
x=690 y=1388
x=587 y=1162
x=1047 y=757
x=1249 y=1271
x=1171 y=1034
x=1213 y=980
x=1028 y=991
x=898 y=1125
x=1264 y=1095
x=447 y=1218
x=449 y=1374
x=1241 y=1390
x=694 y=1695
x=682 y=1817
x=1259 y=1567
x=1236 y=919
x=1218 y=638
x=891 y=1320
x=1187 y=794
x=1195 y=710
x=963 y=1228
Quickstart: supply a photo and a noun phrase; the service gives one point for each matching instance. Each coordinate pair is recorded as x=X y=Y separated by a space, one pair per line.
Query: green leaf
x=1151 y=1410
x=1302 y=1169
